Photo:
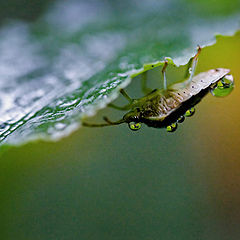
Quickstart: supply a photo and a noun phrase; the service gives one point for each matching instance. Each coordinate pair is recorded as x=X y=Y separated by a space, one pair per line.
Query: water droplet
x=223 y=87
x=190 y=112
x=172 y=127
x=181 y=119
x=134 y=126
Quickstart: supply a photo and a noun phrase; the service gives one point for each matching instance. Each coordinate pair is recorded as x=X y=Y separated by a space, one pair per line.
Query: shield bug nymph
x=165 y=108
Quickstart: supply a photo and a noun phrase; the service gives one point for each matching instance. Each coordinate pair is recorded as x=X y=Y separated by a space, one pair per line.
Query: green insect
x=165 y=108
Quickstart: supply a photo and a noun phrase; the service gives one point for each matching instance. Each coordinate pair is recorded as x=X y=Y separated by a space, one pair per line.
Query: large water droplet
x=224 y=87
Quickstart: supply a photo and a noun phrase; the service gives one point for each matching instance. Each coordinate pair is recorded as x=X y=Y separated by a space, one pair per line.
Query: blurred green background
x=111 y=183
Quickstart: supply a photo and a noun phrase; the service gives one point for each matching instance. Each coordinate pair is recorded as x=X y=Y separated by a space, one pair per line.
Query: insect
x=165 y=108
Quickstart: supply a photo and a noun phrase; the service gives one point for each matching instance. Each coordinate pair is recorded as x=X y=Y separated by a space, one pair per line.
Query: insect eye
x=134 y=126
x=190 y=112
x=172 y=127
x=224 y=86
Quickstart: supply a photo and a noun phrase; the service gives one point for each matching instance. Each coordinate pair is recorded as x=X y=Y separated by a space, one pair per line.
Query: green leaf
x=73 y=60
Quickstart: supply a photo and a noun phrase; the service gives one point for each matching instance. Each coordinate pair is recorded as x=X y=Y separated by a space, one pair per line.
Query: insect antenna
x=108 y=123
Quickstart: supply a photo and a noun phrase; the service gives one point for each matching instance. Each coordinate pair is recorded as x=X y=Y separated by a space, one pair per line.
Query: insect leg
x=108 y=123
x=123 y=92
x=164 y=75
x=125 y=107
x=193 y=67
x=85 y=124
x=106 y=119
x=145 y=89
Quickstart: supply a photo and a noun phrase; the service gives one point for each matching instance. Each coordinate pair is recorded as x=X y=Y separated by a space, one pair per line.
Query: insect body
x=165 y=108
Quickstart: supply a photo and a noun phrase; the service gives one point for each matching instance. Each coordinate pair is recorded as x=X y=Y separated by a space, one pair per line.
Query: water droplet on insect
x=134 y=126
x=190 y=112
x=223 y=87
x=181 y=119
x=172 y=127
